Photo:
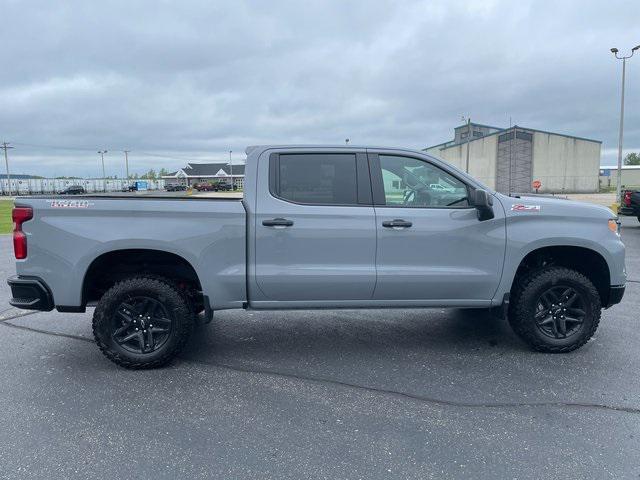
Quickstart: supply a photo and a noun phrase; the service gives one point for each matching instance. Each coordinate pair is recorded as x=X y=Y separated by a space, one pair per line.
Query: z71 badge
x=70 y=203
x=521 y=207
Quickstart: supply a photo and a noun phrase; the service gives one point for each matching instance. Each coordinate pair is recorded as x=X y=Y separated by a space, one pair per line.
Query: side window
x=323 y=179
x=413 y=183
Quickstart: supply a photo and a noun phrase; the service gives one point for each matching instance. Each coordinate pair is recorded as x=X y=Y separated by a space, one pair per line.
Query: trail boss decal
x=521 y=207
x=70 y=203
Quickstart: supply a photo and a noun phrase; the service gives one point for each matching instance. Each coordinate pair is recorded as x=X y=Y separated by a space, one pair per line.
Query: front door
x=315 y=228
x=431 y=245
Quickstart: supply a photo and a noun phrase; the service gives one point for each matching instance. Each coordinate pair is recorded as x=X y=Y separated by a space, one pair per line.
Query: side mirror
x=483 y=202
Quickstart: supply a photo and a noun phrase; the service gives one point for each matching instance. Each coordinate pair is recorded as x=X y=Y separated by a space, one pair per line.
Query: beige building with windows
x=511 y=159
x=194 y=173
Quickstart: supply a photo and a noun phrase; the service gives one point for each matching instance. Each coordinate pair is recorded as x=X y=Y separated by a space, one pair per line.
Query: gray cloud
x=191 y=80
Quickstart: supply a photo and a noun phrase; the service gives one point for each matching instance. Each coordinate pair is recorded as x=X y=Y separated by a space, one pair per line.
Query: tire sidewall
x=160 y=291
x=525 y=324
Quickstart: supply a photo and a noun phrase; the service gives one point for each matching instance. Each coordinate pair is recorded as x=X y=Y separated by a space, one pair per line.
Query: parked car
x=222 y=187
x=130 y=188
x=72 y=190
x=444 y=188
x=204 y=187
x=318 y=228
x=175 y=188
x=630 y=203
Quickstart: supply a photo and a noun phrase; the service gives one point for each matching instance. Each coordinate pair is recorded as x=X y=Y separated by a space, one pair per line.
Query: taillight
x=627 y=198
x=19 y=216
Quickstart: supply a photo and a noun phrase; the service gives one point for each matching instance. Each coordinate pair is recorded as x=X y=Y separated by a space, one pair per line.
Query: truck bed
x=67 y=234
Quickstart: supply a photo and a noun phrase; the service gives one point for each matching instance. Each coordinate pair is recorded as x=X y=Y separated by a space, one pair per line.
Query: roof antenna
x=346 y=141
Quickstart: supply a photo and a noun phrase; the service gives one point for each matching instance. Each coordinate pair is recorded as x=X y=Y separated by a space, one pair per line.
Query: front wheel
x=142 y=322
x=555 y=309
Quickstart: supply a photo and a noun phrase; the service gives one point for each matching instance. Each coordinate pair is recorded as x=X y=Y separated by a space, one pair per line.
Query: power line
x=159 y=155
x=84 y=149
x=53 y=147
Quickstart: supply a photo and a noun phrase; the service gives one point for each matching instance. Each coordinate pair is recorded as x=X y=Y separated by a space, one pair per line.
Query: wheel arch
x=588 y=261
x=114 y=265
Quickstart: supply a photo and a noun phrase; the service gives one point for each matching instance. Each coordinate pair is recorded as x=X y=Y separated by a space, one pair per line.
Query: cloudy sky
x=191 y=80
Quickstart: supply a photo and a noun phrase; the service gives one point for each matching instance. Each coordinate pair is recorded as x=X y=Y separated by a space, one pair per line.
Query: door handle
x=277 y=222
x=397 y=223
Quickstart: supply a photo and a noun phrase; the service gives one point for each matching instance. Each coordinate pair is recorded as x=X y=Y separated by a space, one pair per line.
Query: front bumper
x=30 y=293
x=615 y=295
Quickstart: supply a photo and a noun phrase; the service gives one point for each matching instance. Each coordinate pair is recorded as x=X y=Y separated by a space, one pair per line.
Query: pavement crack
x=6 y=323
x=355 y=386
x=17 y=315
x=420 y=398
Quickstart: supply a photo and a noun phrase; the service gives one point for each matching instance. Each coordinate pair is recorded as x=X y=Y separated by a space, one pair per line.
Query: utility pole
x=104 y=176
x=466 y=169
x=620 y=135
x=5 y=147
x=233 y=186
x=511 y=142
x=468 y=144
x=126 y=163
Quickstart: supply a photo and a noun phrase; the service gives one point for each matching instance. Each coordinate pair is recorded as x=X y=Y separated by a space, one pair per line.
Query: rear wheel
x=555 y=309
x=142 y=322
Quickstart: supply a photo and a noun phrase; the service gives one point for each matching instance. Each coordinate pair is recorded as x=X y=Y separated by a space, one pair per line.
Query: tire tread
x=528 y=285
x=184 y=326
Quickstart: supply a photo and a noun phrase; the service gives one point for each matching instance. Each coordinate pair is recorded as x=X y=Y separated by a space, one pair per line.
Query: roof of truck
x=253 y=148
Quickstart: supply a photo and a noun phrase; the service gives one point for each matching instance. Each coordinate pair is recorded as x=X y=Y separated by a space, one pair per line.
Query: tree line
x=632 y=159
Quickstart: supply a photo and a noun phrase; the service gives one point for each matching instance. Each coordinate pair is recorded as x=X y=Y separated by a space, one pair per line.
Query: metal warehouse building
x=630 y=176
x=511 y=159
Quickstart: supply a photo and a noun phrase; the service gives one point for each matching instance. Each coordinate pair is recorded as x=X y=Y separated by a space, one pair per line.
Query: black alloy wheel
x=143 y=321
x=554 y=309
x=141 y=325
x=560 y=312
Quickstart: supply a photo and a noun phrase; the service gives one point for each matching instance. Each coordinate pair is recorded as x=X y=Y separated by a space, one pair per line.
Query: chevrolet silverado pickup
x=318 y=228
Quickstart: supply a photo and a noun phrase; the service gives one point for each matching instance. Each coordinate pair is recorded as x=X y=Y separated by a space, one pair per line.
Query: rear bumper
x=615 y=295
x=30 y=293
x=628 y=211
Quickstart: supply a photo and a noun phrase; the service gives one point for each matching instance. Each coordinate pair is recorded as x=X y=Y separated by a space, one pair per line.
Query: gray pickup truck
x=318 y=228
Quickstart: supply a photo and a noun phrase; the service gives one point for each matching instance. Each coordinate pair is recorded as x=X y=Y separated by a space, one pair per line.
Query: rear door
x=431 y=246
x=315 y=228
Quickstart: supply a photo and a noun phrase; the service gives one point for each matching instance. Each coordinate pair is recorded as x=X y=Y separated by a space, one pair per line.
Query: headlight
x=614 y=225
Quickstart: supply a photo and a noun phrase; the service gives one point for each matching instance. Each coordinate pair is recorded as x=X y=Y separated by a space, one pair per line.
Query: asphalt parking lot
x=338 y=394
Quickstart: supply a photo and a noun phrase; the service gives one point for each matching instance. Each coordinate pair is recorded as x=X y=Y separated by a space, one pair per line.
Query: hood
x=544 y=206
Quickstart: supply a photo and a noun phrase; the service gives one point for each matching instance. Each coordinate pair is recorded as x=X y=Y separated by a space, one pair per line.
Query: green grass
x=6 y=224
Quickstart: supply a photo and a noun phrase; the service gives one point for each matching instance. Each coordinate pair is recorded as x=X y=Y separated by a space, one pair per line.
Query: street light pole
x=126 y=164
x=621 y=132
x=5 y=147
x=466 y=169
x=104 y=176
x=231 y=167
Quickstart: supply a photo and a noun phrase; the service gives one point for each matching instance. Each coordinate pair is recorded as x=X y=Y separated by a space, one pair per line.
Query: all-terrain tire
x=525 y=302
x=158 y=289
